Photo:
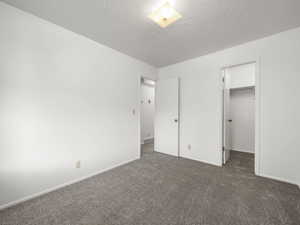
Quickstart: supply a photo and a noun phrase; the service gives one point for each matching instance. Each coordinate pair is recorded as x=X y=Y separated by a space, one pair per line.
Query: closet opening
x=239 y=117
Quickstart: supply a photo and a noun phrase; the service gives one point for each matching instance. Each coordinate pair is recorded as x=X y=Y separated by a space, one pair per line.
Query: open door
x=166 y=125
x=226 y=118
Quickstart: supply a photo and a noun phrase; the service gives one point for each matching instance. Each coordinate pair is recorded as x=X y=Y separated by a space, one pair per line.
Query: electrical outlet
x=189 y=147
x=78 y=164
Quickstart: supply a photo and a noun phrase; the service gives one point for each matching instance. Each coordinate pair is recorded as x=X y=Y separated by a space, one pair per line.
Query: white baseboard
x=146 y=140
x=245 y=151
x=16 y=202
x=278 y=179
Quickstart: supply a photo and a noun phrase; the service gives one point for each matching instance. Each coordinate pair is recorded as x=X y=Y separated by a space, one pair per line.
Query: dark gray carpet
x=147 y=148
x=164 y=190
x=241 y=161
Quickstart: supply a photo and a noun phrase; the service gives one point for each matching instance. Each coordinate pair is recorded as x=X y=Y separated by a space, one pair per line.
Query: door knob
x=229 y=121
x=175 y=120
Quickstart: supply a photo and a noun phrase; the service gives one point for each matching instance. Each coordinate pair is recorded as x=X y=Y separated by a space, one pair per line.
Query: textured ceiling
x=207 y=25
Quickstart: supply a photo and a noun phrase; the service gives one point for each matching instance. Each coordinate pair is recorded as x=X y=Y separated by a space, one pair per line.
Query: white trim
x=237 y=64
x=139 y=94
x=221 y=140
x=16 y=202
x=278 y=179
x=244 y=151
x=257 y=149
x=243 y=88
x=179 y=116
x=148 y=138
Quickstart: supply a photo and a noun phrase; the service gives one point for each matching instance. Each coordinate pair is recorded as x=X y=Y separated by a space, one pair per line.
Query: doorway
x=239 y=117
x=159 y=116
x=147 y=115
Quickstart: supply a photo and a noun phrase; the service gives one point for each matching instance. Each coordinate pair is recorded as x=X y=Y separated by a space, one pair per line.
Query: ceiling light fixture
x=165 y=15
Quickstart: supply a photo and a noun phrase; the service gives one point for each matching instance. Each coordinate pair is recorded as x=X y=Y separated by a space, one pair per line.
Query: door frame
x=223 y=71
x=139 y=111
x=257 y=150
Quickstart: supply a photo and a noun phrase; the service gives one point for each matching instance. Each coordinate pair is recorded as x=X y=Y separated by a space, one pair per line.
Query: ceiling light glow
x=165 y=15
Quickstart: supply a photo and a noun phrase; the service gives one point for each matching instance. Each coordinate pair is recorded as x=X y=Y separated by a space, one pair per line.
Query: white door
x=166 y=127
x=226 y=118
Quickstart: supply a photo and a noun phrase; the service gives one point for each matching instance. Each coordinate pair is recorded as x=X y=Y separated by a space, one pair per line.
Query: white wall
x=147 y=112
x=242 y=113
x=63 y=98
x=241 y=76
x=201 y=99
